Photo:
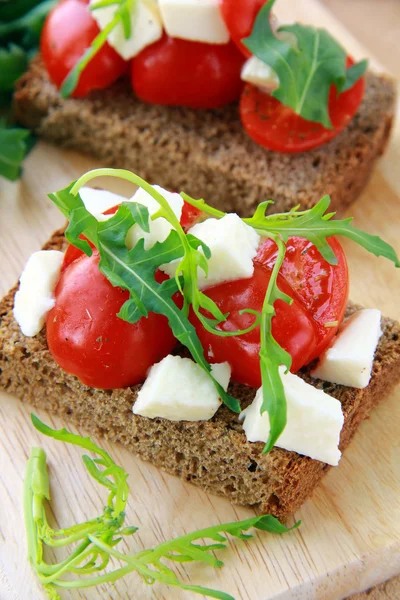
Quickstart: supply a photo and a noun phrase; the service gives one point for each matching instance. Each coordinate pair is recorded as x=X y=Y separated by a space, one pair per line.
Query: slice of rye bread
x=213 y=454
x=207 y=153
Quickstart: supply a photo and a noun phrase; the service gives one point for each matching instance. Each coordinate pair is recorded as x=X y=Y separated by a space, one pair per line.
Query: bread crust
x=213 y=454
x=207 y=153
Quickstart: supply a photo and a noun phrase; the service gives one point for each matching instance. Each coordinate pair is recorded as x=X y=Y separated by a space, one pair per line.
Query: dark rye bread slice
x=213 y=454
x=207 y=153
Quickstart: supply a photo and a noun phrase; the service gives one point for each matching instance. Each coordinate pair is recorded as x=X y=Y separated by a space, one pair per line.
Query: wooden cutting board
x=350 y=537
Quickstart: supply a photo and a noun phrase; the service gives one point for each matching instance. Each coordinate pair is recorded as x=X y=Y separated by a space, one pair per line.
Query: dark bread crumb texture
x=213 y=454
x=207 y=153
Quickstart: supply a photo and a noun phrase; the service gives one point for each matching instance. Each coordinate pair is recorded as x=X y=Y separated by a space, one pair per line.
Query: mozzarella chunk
x=34 y=297
x=178 y=389
x=159 y=228
x=314 y=421
x=98 y=201
x=260 y=74
x=233 y=246
x=350 y=359
x=195 y=20
x=145 y=22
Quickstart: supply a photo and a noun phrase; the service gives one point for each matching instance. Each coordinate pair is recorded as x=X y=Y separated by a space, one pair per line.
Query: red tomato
x=190 y=216
x=239 y=16
x=291 y=327
x=320 y=293
x=177 y=72
x=278 y=127
x=321 y=288
x=68 y=31
x=87 y=339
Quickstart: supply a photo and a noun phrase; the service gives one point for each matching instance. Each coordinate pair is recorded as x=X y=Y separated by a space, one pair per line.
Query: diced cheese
x=98 y=201
x=233 y=246
x=145 y=22
x=314 y=421
x=159 y=228
x=350 y=358
x=35 y=297
x=260 y=74
x=195 y=20
x=178 y=389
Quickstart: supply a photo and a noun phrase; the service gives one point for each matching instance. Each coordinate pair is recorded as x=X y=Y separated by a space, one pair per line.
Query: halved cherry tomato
x=177 y=72
x=68 y=32
x=321 y=288
x=319 y=291
x=87 y=339
x=239 y=17
x=277 y=127
x=190 y=216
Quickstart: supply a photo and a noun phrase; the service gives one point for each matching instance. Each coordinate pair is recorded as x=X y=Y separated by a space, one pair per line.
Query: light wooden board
x=350 y=537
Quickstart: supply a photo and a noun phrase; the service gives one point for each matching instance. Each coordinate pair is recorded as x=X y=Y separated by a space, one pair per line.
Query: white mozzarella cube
x=350 y=358
x=178 y=389
x=145 y=22
x=260 y=74
x=195 y=20
x=233 y=245
x=34 y=298
x=314 y=421
x=159 y=228
x=98 y=201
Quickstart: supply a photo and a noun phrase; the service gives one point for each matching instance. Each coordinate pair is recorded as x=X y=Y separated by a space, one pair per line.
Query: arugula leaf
x=21 y=22
x=95 y=540
x=306 y=71
x=13 y=62
x=15 y=143
x=134 y=270
x=123 y=14
x=272 y=356
x=316 y=226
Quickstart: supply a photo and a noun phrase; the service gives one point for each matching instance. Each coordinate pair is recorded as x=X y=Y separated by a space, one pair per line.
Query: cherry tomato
x=87 y=339
x=239 y=17
x=177 y=72
x=291 y=327
x=319 y=291
x=277 y=127
x=321 y=288
x=190 y=216
x=67 y=33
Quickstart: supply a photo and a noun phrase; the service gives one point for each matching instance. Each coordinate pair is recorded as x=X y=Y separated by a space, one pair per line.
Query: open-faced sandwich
x=251 y=108
x=222 y=349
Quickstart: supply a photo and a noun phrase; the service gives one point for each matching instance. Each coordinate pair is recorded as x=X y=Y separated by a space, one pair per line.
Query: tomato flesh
x=87 y=339
x=177 y=72
x=277 y=127
x=320 y=287
x=67 y=33
x=239 y=17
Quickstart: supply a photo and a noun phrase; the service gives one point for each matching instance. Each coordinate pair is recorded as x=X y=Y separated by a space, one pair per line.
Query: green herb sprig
x=307 y=70
x=93 y=542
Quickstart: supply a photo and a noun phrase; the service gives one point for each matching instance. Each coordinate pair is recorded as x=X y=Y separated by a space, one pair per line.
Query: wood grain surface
x=350 y=537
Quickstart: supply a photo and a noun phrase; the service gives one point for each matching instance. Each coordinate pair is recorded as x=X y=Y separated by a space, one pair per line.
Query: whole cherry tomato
x=177 y=72
x=68 y=32
x=87 y=339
